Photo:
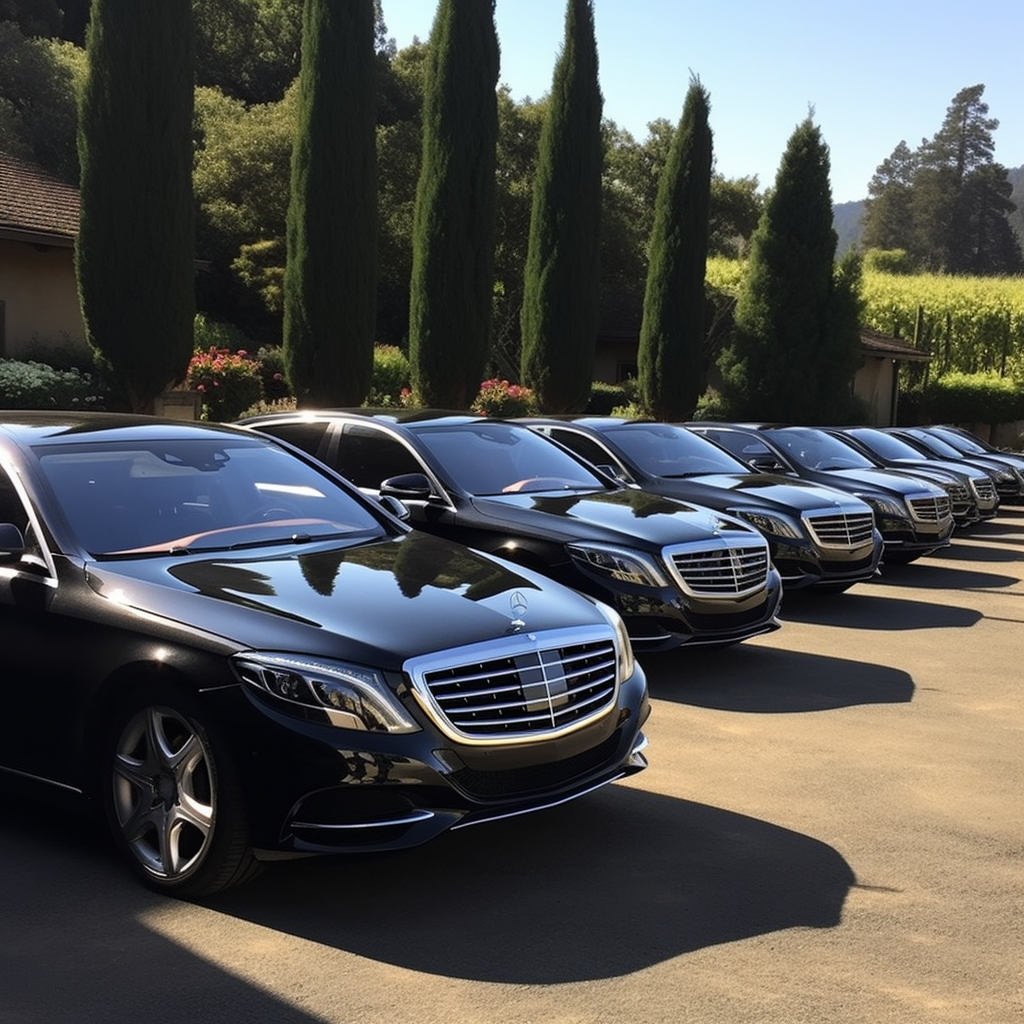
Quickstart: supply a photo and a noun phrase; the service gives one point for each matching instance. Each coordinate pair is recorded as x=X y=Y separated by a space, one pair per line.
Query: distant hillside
x=846 y=220
x=846 y=216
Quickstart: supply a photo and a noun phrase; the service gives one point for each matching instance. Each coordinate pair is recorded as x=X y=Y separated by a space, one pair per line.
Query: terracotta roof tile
x=33 y=200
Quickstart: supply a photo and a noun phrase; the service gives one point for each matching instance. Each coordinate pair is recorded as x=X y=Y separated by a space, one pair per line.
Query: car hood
x=632 y=517
x=755 y=490
x=376 y=603
x=883 y=479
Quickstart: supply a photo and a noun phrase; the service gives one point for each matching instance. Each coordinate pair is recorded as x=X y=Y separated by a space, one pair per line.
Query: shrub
x=228 y=381
x=391 y=377
x=32 y=385
x=272 y=373
x=964 y=398
x=502 y=399
x=262 y=407
x=606 y=397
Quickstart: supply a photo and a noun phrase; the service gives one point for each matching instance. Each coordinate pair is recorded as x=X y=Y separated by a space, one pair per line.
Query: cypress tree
x=792 y=355
x=331 y=271
x=670 y=358
x=560 y=311
x=135 y=253
x=451 y=293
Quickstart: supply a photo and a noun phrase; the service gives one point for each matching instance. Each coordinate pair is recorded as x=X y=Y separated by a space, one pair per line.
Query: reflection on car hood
x=884 y=479
x=374 y=603
x=754 y=490
x=628 y=516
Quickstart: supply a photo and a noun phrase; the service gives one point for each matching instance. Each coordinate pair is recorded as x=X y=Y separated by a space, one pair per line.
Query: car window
x=496 y=458
x=586 y=448
x=669 y=451
x=307 y=435
x=13 y=511
x=367 y=456
x=204 y=494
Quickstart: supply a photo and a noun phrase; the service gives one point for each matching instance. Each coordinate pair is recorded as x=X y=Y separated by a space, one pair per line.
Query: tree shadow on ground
x=768 y=680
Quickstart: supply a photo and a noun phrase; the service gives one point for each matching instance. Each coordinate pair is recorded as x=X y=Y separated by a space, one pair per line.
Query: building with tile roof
x=38 y=289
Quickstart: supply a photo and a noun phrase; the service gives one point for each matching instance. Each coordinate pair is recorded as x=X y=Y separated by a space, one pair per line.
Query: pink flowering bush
x=499 y=398
x=229 y=382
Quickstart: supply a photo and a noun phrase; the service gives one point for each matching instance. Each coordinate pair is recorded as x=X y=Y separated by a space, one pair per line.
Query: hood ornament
x=517 y=602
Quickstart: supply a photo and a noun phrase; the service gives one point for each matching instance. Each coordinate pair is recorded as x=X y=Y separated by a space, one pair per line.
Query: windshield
x=959 y=442
x=209 y=494
x=817 y=450
x=499 y=458
x=936 y=445
x=668 y=451
x=887 y=445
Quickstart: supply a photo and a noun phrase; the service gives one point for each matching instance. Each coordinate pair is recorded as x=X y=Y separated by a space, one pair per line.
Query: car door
x=29 y=728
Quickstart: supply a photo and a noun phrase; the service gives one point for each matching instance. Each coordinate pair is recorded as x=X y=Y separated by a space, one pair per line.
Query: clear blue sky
x=875 y=72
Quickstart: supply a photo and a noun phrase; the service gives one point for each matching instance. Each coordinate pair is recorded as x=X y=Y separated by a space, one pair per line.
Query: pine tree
x=888 y=212
x=330 y=276
x=135 y=252
x=452 y=285
x=671 y=356
x=561 y=302
x=794 y=346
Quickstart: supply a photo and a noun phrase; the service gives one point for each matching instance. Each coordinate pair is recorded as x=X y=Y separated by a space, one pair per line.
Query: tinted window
x=307 y=436
x=367 y=456
x=668 y=451
x=491 y=458
x=585 y=448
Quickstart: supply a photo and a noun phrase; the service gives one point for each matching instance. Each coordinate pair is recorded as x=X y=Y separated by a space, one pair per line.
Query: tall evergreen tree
x=671 y=356
x=135 y=255
x=794 y=347
x=331 y=270
x=888 y=211
x=452 y=284
x=561 y=301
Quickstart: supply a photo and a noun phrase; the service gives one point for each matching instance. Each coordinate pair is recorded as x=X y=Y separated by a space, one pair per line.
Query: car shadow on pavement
x=610 y=884
x=761 y=680
x=933 y=573
x=864 y=609
x=76 y=947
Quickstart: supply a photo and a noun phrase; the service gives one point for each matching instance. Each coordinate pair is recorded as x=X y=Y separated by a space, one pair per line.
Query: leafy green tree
x=330 y=275
x=38 y=115
x=671 y=357
x=135 y=253
x=794 y=347
x=249 y=49
x=453 y=229
x=561 y=291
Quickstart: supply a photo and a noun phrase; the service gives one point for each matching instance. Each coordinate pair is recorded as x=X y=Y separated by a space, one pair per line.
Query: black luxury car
x=1007 y=467
x=914 y=516
x=819 y=536
x=972 y=491
x=677 y=573
x=239 y=656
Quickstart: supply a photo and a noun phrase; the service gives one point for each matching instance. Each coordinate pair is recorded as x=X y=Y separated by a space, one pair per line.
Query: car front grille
x=985 y=489
x=523 y=687
x=929 y=509
x=846 y=530
x=733 y=570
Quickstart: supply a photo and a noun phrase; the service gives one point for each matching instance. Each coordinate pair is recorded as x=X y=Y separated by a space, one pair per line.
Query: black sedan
x=819 y=536
x=972 y=491
x=1008 y=478
x=677 y=573
x=238 y=656
x=915 y=517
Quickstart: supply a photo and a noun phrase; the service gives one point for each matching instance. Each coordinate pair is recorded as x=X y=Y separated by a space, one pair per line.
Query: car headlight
x=886 y=506
x=769 y=522
x=626 y=664
x=351 y=696
x=1005 y=475
x=619 y=563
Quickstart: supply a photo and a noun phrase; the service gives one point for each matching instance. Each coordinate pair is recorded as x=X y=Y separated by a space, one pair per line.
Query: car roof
x=396 y=417
x=33 y=426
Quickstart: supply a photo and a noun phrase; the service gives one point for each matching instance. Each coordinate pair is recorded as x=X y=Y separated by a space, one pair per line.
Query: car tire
x=173 y=798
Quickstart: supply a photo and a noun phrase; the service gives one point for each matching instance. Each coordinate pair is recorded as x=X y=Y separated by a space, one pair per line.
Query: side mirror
x=407 y=487
x=12 y=543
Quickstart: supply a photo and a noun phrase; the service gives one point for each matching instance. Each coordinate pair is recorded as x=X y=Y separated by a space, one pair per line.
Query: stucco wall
x=40 y=298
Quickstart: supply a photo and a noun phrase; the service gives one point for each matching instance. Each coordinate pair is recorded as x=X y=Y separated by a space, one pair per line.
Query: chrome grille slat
x=930 y=509
x=841 y=529
x=731 y=570
x=522 y=688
